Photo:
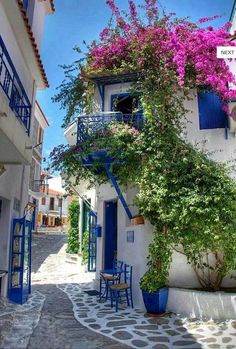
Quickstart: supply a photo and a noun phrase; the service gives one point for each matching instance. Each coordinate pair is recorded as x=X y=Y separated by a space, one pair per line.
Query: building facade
x=21 y=75
x=206 y=125
x=52 y=208
x=38 y=185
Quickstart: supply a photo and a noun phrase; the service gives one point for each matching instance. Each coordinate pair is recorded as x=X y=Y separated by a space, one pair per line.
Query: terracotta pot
x=137 y=220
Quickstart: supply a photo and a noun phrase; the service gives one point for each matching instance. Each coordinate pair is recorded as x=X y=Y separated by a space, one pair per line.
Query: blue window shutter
x=25 y=4
x=211 y=114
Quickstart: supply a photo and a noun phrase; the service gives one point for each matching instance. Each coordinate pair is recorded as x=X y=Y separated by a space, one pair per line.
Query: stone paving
x=130 y=326
x=18 y=321
x=60 y=315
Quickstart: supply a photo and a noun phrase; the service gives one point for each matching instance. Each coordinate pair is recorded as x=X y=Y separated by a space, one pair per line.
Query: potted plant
x=153 y=282
x=138 y=219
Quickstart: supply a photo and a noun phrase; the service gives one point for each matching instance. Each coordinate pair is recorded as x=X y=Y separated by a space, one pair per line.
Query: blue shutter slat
x=211 y=114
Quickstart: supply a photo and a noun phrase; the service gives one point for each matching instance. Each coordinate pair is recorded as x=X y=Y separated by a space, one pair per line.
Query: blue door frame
x=34 y=215
x=92 y=245
x=110 y=233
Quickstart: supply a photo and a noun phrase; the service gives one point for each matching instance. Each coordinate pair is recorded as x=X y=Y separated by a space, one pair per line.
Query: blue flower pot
x=155 y=302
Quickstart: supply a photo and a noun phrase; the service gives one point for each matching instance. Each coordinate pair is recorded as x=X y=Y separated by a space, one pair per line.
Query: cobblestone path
x=60 y=314
x=57 y=327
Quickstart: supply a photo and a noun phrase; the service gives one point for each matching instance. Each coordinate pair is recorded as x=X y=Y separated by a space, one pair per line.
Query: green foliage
x=158 y=263
x=73 y=232
x=75 y=94
x=193 y=197
x=188 y=198
x=85 y=247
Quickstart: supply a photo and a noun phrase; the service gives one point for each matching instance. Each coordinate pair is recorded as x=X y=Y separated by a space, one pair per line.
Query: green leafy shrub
x=73 y=232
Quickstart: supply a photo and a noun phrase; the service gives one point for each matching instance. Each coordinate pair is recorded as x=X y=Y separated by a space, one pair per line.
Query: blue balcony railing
x=13 y=88
x=89 y=125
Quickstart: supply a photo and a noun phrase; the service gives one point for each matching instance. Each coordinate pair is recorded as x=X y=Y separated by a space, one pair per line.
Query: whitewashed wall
x=15 y=53
x=38 y=21
x=181 y=274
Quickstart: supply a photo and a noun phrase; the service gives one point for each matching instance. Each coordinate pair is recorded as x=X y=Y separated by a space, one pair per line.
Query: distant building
x=38 y=185
x=52 y=208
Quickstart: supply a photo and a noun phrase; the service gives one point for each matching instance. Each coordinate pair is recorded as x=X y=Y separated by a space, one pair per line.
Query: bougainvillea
x=176 y=47
x=189 y=199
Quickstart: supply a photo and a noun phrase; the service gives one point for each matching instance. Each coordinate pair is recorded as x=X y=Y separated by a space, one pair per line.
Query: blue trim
x=110 y=233
x=20 y=292
x=117 y=188
x=92 y=245
x=25 y=4
x=211 y=113
x=103 y=98
x=233 y=11
x=13 y=88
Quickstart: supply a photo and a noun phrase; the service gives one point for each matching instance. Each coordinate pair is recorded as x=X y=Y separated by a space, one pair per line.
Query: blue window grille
x=211 y=114
x=13 y=88
x=97 y=123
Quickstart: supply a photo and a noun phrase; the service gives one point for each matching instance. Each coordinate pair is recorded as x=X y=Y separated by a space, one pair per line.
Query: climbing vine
x=188 y=198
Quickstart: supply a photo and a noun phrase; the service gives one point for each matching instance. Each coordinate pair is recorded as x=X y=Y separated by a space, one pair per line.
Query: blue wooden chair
x=110 y=277
x=125 y=288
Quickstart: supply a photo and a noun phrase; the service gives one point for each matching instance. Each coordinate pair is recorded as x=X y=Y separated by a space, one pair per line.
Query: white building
x=52 y=207
x=21 y=75
x=105 y=201
x=38 y=186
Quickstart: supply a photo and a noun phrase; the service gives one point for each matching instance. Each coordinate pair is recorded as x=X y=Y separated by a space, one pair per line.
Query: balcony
x=39 y=188
x=13 y=88
x=90 y=124
x=15 y=113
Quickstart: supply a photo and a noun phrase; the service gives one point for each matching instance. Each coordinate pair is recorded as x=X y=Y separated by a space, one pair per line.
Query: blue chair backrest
x=128 y=274
x=117 y=264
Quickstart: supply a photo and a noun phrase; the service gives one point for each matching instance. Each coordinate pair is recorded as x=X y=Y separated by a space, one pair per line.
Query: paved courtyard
x=61 y=315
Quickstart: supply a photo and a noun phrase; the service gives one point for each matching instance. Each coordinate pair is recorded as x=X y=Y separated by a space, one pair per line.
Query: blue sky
x=78 y=20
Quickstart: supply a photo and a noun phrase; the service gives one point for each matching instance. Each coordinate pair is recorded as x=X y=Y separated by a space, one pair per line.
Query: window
x=43 y=201
x=51 y=206
x=124 y=103
x=40 y=135
x=60 y=202
x=211 y=114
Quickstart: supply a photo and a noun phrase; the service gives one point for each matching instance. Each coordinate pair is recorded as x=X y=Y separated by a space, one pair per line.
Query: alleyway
x=57 y=327
x=52 y=322
x=60 y=314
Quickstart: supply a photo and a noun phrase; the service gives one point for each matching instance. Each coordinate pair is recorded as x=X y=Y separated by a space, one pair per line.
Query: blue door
x=92 y=245
x=110 y=250
x=20 y=261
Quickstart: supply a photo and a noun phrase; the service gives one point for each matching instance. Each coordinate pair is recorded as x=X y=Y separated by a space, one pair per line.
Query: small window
x=43 y=201
x=40 y=134
x=60 y=202
x=124 y=103
x=51 y=204
x=211 y=113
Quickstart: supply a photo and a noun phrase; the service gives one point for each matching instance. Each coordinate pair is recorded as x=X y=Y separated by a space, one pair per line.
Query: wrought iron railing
x=89 y=125
x=39 y=186
x=13 y=88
